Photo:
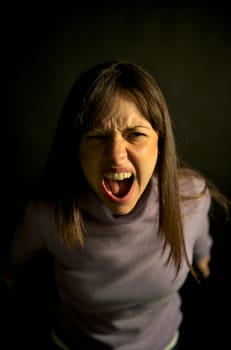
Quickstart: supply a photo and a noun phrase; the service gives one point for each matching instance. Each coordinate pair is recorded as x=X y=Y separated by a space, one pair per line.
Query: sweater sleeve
x=203 y=242
x=195 y=210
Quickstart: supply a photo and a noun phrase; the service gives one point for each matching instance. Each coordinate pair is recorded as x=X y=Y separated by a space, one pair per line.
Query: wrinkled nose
x=117 y=150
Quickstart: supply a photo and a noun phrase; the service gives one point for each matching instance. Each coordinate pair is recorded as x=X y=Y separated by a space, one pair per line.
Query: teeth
x=118 y=176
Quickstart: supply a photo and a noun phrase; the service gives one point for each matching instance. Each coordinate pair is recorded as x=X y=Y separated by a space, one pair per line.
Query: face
x=118 y=157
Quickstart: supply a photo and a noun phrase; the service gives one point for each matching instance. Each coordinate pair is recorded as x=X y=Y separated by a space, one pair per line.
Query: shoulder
x=191 y=185
x=36 y=209
x=194 y=192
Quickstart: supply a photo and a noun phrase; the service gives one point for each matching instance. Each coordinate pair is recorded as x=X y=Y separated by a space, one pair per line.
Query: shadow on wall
x=186 y=47
x=188 y=50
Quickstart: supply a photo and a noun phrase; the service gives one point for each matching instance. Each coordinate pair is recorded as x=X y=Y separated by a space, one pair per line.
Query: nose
x=117 y=149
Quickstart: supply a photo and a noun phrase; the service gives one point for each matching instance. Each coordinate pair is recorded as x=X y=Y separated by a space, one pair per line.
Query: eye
x=135 y=135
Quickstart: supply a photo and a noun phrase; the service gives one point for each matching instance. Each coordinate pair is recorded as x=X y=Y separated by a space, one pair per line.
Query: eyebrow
x=136 y=127
x=131 y=128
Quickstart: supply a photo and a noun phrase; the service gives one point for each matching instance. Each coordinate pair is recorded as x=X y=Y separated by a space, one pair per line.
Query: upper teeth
x=118 y=176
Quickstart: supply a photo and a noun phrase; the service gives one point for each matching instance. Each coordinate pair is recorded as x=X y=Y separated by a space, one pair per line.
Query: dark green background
x=186 y=46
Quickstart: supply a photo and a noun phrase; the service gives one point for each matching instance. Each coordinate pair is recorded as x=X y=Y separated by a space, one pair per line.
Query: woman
x=123 y=220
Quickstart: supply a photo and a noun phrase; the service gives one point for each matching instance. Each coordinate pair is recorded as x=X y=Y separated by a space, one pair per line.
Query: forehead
x=123 y=114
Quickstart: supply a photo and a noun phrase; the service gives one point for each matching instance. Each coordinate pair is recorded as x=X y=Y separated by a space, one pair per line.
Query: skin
x=123 y=145
x=203 y=266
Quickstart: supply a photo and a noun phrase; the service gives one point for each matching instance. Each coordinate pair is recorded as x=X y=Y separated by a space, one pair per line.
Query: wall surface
x=185 y=46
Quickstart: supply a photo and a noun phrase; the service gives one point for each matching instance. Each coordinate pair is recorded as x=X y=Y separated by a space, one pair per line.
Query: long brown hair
x=89 y=100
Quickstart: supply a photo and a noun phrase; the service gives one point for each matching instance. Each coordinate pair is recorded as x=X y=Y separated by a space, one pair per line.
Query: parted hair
x=89 y=100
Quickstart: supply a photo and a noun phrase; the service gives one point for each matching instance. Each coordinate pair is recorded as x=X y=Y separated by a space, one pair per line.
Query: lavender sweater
x=117 y=288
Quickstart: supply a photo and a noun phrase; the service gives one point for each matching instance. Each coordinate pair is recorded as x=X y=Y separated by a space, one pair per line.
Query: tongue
x=119 y=188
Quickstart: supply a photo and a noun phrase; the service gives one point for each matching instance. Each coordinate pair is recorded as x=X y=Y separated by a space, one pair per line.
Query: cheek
x=151 y=157
x=150 y=151
x=84 y=160
x=151 y=163
x=89 y=162
x=155 y=149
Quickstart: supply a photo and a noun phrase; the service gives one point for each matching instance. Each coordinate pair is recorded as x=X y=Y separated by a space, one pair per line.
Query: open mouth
x=118 y=184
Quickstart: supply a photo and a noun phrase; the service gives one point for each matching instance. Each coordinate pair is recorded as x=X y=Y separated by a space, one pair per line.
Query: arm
x=204 y=241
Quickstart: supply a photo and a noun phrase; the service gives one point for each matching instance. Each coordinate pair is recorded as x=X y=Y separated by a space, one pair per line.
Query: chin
x=121 y=209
